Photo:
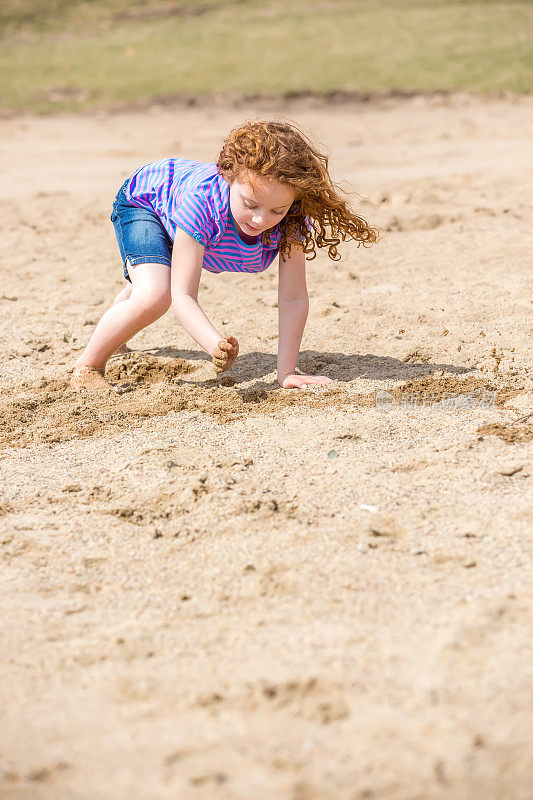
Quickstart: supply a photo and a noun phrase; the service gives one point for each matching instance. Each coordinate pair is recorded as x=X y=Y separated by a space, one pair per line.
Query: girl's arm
x=187 y=258
x=293 y=306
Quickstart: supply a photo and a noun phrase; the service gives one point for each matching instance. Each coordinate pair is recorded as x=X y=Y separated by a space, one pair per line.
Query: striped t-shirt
x=194 y=197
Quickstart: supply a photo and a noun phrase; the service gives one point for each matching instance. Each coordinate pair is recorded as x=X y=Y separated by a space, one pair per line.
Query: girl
x=269 y=193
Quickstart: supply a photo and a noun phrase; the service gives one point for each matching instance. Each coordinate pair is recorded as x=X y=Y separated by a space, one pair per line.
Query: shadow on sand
x=337 y=366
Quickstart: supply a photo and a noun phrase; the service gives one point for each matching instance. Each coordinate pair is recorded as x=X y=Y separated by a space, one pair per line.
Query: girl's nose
x=257 y=218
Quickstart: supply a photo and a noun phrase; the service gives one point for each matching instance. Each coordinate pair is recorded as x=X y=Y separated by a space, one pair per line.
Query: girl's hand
x=225 y=353
x=293 y=381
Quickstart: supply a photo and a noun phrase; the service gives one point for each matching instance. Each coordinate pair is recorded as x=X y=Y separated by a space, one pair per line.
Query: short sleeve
x=193 y=214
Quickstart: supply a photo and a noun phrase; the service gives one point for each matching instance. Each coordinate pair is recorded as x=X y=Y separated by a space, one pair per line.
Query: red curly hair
x=280 y=152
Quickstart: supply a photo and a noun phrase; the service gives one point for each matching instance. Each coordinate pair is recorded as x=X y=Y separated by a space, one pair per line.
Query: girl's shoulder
x=194 y=173
x=200 y=178
x=181 y=172
x=173 y=173
x=199 y=200
x=201 y=182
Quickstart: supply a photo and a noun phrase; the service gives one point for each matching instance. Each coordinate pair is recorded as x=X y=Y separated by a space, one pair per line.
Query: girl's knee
x=124 y=294
x=152 y=305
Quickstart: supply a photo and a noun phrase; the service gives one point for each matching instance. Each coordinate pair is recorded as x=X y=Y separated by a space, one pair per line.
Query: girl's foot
x=90 y=379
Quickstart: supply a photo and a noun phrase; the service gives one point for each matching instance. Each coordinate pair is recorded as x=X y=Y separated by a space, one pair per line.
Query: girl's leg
x=149 y=299
x=124 y=294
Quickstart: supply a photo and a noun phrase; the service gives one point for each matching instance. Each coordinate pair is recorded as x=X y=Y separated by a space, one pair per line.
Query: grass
x=61 y=54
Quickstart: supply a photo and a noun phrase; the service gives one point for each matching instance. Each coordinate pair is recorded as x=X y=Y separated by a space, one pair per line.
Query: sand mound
x=147 y=369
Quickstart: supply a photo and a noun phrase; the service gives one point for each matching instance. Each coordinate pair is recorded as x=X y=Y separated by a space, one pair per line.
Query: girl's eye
x=251 y=207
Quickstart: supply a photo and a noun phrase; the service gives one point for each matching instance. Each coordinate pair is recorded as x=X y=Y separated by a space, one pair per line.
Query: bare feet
x=90 y=379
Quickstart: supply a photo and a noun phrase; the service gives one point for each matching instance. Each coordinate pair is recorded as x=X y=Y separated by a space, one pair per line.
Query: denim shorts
x=141 y=236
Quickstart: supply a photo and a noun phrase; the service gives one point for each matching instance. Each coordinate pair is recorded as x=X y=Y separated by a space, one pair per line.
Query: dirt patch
x=49 y=411
x=431 y=389
x=511 y=434
x=147 y=369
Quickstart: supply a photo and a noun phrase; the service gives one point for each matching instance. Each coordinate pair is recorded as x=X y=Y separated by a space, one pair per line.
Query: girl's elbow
x=303 y=299
x=182 y=298
x=180 y=302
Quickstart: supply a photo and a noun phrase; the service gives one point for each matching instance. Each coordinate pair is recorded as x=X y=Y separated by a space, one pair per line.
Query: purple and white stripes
x=194 y=197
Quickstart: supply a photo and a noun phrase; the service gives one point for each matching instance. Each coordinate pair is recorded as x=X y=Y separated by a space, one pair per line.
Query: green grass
x=79 y=55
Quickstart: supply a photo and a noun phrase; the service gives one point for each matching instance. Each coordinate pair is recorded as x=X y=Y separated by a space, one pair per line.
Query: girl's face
x=259 y=206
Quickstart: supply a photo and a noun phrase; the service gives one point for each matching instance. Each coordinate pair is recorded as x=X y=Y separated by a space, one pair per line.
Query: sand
x=215 y=588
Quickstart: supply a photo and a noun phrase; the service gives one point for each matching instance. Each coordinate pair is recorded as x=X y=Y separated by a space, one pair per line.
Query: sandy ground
x=236 y=592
